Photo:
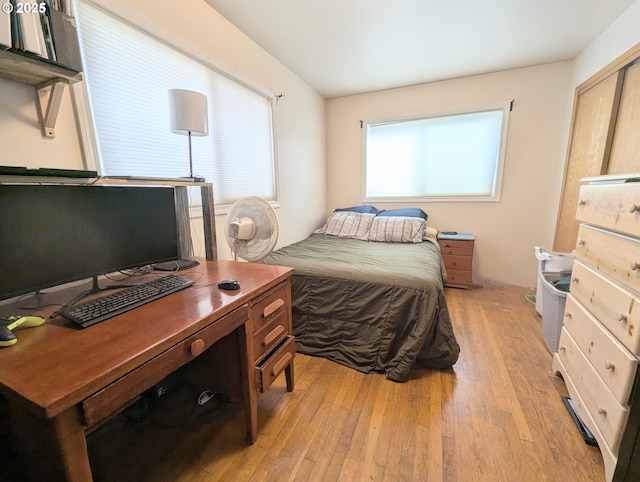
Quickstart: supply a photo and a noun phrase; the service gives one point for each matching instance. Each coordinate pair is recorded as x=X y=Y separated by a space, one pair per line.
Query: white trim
x=496 y=197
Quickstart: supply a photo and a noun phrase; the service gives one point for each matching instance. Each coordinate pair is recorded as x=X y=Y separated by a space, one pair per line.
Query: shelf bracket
x=48 y=105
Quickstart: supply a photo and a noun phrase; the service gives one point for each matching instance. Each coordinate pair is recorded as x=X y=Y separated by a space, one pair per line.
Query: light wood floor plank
x=496 y=416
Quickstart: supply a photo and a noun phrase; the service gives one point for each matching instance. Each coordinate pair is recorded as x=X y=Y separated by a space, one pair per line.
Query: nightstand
x=457 y=253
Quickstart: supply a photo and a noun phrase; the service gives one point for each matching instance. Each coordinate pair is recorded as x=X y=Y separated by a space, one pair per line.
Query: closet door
x=625 y=151
x=589 y=144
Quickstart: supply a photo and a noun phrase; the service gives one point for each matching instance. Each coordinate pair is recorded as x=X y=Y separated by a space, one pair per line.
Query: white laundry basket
x=553 y=303
x=550 y=262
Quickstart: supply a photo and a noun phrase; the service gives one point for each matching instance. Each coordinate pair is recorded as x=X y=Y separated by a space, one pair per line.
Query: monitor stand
x=95 y=288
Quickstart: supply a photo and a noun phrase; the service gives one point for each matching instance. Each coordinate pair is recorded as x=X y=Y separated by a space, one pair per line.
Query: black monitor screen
x=50 y=235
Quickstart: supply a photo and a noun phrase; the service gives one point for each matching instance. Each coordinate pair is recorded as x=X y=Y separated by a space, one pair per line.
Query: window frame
x=84 y=114
x=495 y=197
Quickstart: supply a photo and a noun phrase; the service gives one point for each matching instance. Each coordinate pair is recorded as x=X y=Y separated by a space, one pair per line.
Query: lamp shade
x=188 y=112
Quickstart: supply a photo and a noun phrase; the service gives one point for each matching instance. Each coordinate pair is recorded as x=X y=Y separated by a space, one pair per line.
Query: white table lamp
x=188 y=111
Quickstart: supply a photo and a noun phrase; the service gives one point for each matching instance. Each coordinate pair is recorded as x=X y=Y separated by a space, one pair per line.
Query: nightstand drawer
x=272 y=366
x=457 y=277
x=455 y=247
x=462 y=263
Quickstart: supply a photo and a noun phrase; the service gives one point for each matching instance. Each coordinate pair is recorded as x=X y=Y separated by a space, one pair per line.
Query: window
x=445 y=158
x=128 y=73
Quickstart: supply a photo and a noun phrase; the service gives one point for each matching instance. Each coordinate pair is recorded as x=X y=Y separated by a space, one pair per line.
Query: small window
x=438 y=158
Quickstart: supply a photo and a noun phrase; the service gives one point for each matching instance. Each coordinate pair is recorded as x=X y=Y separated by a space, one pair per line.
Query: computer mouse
x=229 y=284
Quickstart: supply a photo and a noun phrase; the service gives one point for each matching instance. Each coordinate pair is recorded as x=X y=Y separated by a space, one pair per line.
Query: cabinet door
x=590 y=140
x=625 y=151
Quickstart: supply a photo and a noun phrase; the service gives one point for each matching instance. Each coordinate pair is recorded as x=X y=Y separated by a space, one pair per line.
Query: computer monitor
x=55 y=234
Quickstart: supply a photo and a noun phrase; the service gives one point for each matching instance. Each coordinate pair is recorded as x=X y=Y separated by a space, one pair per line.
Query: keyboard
x=105 y=307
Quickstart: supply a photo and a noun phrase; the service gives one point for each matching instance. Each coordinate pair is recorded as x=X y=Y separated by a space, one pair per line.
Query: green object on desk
x=11 y=322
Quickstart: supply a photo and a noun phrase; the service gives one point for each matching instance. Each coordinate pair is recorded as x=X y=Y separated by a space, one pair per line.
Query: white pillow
x=396 y=229
x=347 y=224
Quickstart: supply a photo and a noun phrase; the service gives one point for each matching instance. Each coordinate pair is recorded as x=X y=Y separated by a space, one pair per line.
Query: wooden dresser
x=600 y=339
x=457 y=253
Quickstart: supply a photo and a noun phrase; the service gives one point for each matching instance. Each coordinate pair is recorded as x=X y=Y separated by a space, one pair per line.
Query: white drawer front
x=613 y=254
x=613 y=362
x=608 y=414
x=613 y=206
x=616 y=308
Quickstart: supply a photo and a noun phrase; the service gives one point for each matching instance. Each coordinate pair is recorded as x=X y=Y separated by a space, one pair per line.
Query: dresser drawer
x=275 y=305
x=613 y=206
x=462 y=263
x=456 y=247
x=111 y=398
x=272 y=366
x=615 y=307
x=613 y=254
x=607 y=413
x=610 y=359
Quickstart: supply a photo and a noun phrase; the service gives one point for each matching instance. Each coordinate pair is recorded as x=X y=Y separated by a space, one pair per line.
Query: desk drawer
x=613 y=254
x=608 y=414
x=269 y=336
x=272 y=366
x=612 y=361
x=108 y=400
x=276 y=305
x=615 y=307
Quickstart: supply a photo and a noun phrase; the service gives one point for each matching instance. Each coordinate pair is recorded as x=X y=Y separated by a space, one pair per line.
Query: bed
x=374 y=306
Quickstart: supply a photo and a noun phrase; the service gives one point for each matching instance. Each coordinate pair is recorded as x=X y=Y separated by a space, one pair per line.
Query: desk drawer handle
x=602 y=411
x=634 y=207
x=273 y=335
x=272 y=307
x=581 y=242
x=582 y=202
x=197 y=347
x=622 y=317
x=609 y=366
x=282 y=363
x=634 y=265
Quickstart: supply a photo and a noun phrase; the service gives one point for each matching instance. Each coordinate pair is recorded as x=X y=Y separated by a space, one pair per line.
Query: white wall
x=506 y=232
x=300 y=115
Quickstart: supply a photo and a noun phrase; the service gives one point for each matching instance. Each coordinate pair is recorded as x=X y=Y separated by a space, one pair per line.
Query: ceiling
x=345 y=47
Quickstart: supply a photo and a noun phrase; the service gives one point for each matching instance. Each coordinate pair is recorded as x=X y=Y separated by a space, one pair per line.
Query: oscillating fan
x=252 y=228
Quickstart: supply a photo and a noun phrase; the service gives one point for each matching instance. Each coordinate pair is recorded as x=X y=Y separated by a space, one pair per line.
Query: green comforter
x=374 y=307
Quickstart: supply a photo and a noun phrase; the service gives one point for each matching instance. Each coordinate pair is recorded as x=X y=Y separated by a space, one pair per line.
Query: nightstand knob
x=609 y=366
x=575 y=279
x=568 y=314
x=634 y=208
x=582 y=202
x=602 y=411
x=622 y=317
x=563 y=348
x=634 y=265
x=581 y=242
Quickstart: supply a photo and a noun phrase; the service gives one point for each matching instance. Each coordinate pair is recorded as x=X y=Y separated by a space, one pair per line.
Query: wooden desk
x=60 y=381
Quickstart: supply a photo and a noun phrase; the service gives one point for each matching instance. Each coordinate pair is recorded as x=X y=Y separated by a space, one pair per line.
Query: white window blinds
x=445 y=157
x=128 y=74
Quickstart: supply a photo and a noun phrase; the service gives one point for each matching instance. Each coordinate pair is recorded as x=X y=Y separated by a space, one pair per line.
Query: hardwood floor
x=496 y=416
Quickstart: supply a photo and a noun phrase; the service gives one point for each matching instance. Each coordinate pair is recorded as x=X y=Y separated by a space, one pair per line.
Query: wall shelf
x=48 y=79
